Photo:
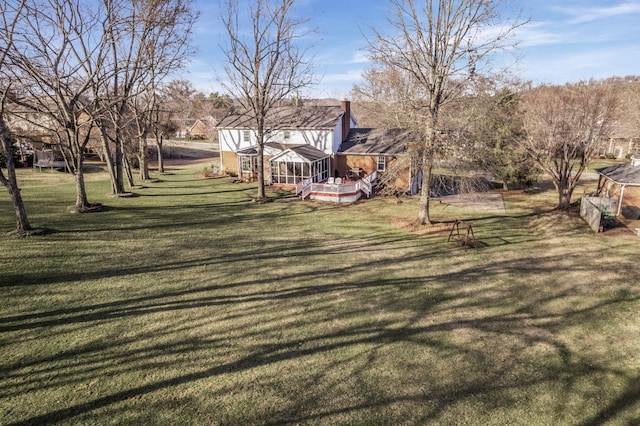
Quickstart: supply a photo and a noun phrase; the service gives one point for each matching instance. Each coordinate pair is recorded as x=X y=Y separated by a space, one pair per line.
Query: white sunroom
x=299 y=162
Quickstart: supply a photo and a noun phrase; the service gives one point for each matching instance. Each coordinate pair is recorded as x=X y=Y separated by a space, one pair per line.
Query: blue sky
x=565 y=41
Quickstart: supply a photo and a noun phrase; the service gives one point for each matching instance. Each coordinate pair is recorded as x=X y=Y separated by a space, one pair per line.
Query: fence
x=591 y=209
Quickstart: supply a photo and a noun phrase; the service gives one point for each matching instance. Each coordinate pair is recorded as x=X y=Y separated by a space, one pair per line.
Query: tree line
x=100 y=68
x=81 y=70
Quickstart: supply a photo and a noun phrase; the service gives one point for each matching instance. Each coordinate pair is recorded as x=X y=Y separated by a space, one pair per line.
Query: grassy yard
x=191 y=304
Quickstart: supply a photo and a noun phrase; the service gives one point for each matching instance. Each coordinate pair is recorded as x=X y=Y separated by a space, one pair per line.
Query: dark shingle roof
x=309 y=152
x=376 y=142
x=274 y=146
x=291 y=117
x=623 y=174
x=306 y=152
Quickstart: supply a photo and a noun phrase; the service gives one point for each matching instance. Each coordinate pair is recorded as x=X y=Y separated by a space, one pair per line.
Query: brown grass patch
x=555 y=222
x=412 y=225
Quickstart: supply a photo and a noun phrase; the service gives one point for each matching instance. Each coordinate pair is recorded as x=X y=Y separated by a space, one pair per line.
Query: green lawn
x=191 y=304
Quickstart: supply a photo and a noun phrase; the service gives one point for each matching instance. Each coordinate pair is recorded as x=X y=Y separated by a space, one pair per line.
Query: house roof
x=623 y=174
x=269 y=148
x=288 y=117
x=376 y=142
x=305 y=152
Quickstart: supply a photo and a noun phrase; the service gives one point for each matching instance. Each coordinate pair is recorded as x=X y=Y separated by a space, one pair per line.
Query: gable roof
x=270 y=148
x=288 y=117
x=623 y=174
x=376 y=142
x=307 y=153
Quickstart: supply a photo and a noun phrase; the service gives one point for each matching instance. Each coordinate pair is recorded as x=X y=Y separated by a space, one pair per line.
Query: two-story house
x=309 y=143
x=301 y=142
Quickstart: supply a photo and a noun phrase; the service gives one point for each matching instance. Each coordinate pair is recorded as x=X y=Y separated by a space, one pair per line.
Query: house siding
x=229 y=161
x=369 y=164
x=323 y=132
x=631 y=193
x=231 y=141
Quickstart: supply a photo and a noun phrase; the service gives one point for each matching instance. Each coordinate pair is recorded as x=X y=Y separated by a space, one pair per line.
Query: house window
x=382 y=163
x=246 y=164
x=246 y=136
x=287 y=135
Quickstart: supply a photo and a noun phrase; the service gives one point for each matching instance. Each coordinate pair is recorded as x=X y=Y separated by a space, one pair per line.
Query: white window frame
x=246 y=135
x=251 y=162
x=381 y=163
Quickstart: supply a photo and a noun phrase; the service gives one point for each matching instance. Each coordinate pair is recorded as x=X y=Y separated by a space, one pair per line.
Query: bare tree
x=264 y=65
x=627 y=123
x=438 y=43
x=10 y=13
x=565 y=128
x=147 y=40
x=53 y=63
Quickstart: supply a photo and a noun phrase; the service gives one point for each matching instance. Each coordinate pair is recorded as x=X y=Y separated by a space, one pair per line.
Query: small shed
x=621 y=181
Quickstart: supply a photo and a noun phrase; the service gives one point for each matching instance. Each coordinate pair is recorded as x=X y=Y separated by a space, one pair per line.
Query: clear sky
x=565 y=41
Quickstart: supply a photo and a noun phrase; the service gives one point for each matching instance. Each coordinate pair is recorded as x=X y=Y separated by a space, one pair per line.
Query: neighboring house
x=624 y=142
x=29 y=125
x=194 y=129
x=621 y=181
x=307 y=143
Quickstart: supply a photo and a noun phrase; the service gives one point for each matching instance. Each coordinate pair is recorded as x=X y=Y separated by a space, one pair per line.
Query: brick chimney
x=346 y=118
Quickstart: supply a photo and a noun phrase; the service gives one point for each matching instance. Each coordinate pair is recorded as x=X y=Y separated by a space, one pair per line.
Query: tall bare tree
x=565 y=129
x=439 y=43
x=53 y=63
x=148 y=39
x=264 y=64
x=9 y=15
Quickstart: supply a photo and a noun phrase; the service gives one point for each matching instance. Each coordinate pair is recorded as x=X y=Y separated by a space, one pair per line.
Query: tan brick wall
x=229 y=161
x=366 y=163
x=631 y=193
x=631 y=196
x=230 y=165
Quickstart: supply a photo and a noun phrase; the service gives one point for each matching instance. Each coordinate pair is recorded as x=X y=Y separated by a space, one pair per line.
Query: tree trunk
x=261 y=190
x=108 y=158
x=11 y=183
x=159 y=143
x=143 y=157
x=119 y=168
x=424 y=217
x=81 y=192
x=127 y=169
x=565 y=189
x=564 y=199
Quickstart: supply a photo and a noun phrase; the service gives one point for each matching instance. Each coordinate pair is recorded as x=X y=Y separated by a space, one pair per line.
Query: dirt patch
x=206 y=173
x=555 y=222
x=482 y=201
x=617 y=229
x=550 y=224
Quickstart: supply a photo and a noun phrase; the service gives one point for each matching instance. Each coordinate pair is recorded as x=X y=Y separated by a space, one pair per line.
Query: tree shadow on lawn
x=491 y=330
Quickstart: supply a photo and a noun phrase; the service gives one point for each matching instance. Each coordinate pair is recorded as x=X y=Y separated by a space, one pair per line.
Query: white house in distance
x=310 y=144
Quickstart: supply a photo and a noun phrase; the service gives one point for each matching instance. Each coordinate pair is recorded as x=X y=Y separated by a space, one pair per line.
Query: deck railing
x=303 y=186
x=365 y=185
x=334 y=188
